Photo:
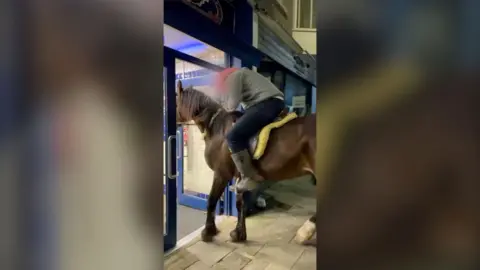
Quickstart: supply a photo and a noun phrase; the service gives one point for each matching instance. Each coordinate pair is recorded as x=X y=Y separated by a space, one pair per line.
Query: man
x=262 y=102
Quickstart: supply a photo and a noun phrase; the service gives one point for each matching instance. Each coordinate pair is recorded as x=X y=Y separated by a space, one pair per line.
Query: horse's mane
x=195 y=102
x=201 y=107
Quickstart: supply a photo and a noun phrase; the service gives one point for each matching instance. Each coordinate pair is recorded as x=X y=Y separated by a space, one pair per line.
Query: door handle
x=179 y=143
x=169 y=158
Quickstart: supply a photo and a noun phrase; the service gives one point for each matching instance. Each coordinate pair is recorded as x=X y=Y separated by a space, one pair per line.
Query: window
x=305 y=14
x=186 y=44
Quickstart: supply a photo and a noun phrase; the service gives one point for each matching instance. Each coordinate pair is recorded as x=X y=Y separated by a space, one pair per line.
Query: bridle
x=210 y=123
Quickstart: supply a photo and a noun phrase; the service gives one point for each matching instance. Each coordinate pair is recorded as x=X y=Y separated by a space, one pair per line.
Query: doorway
x=194 y=63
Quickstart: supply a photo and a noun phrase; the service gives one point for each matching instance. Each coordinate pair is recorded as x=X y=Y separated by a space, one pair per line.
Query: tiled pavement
x=270 y=235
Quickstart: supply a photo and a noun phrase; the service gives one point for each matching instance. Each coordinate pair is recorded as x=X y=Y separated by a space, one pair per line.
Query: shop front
x=200 y=39
x=299 y=93
x=287 y=65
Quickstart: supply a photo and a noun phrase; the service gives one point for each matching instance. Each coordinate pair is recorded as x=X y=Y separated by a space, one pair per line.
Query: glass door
x=170 y=152
x=194 y=178
x=195 y=63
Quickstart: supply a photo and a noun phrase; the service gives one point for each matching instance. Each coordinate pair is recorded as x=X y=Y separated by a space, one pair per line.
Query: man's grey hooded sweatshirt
x=248 y=88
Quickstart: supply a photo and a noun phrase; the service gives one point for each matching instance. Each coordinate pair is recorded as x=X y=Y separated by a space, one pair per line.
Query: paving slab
x=197 y=266
x=209 y=253
x=181 y=259
x=306 y=260
x=285 y=255
x=269 y=245
x=233 y=261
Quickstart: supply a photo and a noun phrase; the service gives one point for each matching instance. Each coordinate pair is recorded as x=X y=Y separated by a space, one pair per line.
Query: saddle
x=259 y=142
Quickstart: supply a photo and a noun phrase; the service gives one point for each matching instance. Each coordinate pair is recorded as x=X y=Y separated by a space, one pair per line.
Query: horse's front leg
x=216 y=191
x=239 y=234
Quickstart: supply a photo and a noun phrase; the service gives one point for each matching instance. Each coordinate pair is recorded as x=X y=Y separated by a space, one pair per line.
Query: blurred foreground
x=397 y=135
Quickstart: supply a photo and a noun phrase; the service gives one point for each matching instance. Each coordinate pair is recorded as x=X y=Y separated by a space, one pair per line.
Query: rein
x=210 y=123
x=213 y=117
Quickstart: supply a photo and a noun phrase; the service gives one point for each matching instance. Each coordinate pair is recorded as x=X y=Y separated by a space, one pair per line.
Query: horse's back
x=291 y=150
x=300 y=128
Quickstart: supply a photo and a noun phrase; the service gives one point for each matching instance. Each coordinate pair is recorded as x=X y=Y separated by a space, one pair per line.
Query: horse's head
x=182 y=106
x=194 y=105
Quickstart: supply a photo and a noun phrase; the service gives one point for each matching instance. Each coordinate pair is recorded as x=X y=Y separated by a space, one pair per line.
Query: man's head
x=222 y=77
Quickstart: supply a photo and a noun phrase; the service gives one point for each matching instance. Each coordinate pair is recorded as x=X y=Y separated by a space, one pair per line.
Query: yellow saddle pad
x=259 y=143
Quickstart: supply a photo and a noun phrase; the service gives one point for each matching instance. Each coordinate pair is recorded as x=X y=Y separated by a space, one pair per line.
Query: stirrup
x=249 y=185
x=233 y=187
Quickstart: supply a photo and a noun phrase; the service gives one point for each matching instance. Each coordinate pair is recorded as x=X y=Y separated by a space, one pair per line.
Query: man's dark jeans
x=253 y=120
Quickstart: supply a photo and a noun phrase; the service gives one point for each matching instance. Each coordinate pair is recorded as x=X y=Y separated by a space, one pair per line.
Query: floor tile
x=248 y=249
x=232 y=261
x=285 y=255
x=180 y=260
x=209 y=253
x=197 y=266
x=306 y=260
x=269 y=245
x=260 y=264
x=257 y=264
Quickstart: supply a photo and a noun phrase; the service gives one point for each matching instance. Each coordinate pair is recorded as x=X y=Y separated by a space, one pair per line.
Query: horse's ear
x=179 y=87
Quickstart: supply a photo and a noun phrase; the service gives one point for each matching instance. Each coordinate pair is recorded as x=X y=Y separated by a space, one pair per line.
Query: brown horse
x=290 y=153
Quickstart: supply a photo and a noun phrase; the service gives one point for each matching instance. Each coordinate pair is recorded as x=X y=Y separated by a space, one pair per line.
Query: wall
x=307 y=39
x=276 y=14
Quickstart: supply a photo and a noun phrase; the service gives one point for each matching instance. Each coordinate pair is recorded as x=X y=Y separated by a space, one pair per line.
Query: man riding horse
x=263 y=103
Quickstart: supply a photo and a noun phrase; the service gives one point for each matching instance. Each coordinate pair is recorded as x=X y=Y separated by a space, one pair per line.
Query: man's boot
x=249 y=176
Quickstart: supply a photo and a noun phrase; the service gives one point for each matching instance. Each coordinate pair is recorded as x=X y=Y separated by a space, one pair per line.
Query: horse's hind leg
x=216 y=191
x=305 y=233
x=239 y=234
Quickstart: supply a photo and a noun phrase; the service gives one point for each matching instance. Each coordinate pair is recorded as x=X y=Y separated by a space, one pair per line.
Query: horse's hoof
x=305 y=232
x=311 y=242
x=238 y=235
x=208 y=233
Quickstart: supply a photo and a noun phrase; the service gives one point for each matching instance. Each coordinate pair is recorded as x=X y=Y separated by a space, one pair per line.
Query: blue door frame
x=236 y=43
x=198 y=201
x=189 y=199
x=170 y=131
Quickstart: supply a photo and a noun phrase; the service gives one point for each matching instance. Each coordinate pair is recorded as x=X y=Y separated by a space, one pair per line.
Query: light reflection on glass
x=184 y=43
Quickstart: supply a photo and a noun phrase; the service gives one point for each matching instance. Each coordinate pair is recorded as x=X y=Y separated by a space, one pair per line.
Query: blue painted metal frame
x=170 y=237
x=198 y=200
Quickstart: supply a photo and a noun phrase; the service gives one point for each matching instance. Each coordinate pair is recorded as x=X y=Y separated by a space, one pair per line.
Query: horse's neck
x=201 y=126
x=205 y=125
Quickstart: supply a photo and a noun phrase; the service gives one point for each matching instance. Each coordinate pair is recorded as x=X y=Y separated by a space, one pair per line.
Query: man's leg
x=254 y=119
